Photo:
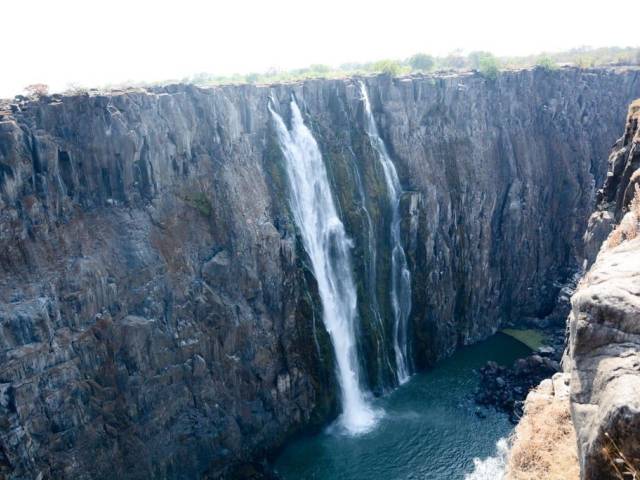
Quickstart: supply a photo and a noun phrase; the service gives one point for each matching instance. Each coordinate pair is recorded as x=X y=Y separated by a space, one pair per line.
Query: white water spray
x=328 y=247
x=491 y=468
x=400 y=275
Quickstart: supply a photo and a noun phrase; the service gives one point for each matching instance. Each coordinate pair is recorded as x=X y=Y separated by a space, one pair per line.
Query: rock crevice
x=158 y=316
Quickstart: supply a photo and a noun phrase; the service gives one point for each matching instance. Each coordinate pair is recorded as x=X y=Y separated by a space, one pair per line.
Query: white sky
x=94 y=42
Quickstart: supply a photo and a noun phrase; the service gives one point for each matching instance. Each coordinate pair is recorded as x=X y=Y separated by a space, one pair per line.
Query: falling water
x=400 y=275
x=384 y=362
x=328 y=247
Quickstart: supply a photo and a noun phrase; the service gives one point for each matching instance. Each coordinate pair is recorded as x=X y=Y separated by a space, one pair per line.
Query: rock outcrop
x=158 y=317
x=604 y=343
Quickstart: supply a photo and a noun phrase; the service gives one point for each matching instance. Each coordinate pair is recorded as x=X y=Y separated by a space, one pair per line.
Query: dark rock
x=506 y=388
x=157 y=314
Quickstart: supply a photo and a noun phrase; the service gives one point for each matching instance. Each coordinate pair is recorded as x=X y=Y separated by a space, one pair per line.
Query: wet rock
x=158 y=316
x=546 y=351
x=506 y=388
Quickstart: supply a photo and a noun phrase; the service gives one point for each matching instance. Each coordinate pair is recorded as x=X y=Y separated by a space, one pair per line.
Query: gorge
x=191 y=277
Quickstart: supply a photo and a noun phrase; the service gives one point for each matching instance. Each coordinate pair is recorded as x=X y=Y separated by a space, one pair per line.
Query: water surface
x=430 y=429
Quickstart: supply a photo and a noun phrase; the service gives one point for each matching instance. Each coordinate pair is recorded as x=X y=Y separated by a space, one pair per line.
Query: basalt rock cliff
x=604 y=345
x=158 y=315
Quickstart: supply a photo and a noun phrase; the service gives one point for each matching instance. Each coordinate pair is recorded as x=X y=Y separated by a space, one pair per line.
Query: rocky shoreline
x=505 y=388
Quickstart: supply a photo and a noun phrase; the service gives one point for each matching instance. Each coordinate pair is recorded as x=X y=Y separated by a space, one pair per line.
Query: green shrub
x=454 y=61
x=319 y=68
x=546 y=62
x=474 y=58
x=252 y=77
x=489 y=67
x=200 y=202
x=388 y=67
x=421 y=62
x=585 y=62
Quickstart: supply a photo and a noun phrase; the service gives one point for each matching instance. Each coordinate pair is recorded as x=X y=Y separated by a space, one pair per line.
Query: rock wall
x=604 y=344
x=158 y=317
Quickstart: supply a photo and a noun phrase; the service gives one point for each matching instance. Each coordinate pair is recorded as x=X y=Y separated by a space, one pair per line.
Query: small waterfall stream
x=328 y=247
x=371 y=273
x=400 y=274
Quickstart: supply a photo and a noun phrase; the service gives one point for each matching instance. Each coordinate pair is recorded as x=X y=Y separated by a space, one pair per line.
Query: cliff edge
x=158 y=316
x=604 y=341
x=602 y=360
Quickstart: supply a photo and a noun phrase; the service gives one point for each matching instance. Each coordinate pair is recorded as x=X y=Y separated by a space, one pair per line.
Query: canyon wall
x=158 y=314
x=604 y=344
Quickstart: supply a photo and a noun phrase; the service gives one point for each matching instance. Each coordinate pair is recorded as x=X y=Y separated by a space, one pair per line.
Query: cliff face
x=158 y=316
x=604 y=346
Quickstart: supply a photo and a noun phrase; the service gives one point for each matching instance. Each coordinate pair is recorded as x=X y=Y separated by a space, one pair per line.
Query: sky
x=97 y=42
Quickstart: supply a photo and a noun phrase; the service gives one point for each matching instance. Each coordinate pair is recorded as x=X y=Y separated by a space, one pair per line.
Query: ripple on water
x=429 y=429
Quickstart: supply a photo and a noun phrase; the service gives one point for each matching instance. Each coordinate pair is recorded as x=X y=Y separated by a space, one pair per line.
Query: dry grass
x=544 y=442
x=624 y=468
x=629 y=226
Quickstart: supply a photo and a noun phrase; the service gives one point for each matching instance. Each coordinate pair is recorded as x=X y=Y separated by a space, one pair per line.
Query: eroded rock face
x=155 y=318
x=158 y=317
x=604 y=347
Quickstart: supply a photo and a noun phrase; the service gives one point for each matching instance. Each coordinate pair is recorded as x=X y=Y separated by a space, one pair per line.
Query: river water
x=429 y=429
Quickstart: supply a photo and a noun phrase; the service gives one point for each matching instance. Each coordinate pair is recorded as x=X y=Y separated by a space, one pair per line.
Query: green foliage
x=252 y=77
x=200 y=202
x=388 y=67
x=489 y=67
x=485 y=62
x=546 y=62
x=453 y=61
x=319 y=68
x=474 y=58
x=421 y=62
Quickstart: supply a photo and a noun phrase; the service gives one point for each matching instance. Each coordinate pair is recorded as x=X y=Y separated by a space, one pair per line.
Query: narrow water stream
x=430 y=430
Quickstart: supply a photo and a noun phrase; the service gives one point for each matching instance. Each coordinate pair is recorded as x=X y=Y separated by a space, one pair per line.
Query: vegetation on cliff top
x=485 y=63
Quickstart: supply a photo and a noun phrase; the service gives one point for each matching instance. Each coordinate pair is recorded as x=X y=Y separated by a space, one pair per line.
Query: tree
x=421 y=62
x=319 y=68
x=489 y=67
x=252 y=77
x=546 y=63
x=389 y=67
x=37 y=90
x=474 y=58
x=454 y=60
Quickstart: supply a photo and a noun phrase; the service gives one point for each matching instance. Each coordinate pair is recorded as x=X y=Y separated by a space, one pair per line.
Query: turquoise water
x=429 y=429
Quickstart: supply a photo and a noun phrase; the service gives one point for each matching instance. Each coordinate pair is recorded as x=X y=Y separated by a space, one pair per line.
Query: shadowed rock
x=158 y=317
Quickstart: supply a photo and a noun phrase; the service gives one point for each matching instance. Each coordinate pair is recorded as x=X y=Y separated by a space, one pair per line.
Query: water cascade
x=384 y=362
x=328 y=247
x=400 y=275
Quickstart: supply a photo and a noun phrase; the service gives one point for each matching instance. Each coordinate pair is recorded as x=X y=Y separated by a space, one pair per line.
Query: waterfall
x=328 y=247
x=400 y=275
x=371 y=275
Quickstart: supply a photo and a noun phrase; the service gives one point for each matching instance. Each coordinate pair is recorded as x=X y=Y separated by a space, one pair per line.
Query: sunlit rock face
x=158 y=312
x=604 y=343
